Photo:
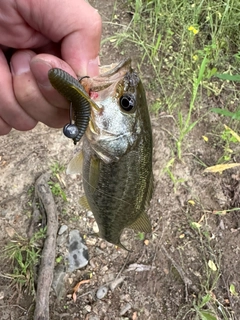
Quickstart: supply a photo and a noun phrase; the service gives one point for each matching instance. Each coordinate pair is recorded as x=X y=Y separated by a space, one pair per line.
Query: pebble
x=88 y=308
x=1 y=295
x=89 y=214
x=58 y=283
x=95 y=227
x=62 y=229
x=102 y=292
x=125 y=309
x=78 y=252
x=221 y=224
x=93 y=317
x=10 y=231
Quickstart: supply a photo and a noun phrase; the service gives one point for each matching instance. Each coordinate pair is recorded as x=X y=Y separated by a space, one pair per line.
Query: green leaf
x=140 y=235
x=205 y=300
x=189 y=128
x=195 y=225
x=212 y=72
x=223 y=112
x=202 y=69
x=206 y=315
x=233 y=290
x=228 y=77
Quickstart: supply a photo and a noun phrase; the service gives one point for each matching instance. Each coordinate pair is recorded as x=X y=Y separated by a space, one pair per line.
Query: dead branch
x=187 y=282
x=45 y=276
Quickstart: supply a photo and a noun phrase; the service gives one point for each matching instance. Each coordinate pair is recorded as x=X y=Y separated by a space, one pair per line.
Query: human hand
x=46 y=34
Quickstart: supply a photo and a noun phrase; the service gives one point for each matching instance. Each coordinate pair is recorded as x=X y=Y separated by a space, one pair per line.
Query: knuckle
x=4 y=128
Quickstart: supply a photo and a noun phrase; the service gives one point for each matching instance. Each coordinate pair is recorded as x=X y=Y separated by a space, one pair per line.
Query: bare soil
x=176 y=255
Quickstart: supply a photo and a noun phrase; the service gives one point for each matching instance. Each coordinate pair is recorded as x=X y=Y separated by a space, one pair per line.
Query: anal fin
x=84 y=203
x=142 y=224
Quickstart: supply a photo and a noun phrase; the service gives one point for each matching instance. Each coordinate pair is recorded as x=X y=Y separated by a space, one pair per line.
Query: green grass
x=23 y=255
x=186 y=52
x=56 y=182
x=207 y=305
x=183 y=44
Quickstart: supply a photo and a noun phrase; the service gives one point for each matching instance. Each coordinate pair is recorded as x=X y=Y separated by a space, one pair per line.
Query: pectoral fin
x=142 y=224
x=75 y=165
x=94 y=172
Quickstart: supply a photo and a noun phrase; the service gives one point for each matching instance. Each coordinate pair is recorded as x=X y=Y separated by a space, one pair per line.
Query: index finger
x=75 y=23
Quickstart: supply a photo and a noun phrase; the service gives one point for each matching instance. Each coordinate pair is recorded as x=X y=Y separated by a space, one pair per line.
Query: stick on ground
x=45 y=276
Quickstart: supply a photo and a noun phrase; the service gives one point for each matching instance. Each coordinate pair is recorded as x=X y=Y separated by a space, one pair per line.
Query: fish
x=116 y=157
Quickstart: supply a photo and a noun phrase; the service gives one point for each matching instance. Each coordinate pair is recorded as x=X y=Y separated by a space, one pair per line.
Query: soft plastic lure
x=73 y=91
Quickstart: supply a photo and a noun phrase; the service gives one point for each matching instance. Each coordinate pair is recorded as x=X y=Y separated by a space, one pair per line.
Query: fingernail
x=20 y=63
x=93 y=67
x=40 y=70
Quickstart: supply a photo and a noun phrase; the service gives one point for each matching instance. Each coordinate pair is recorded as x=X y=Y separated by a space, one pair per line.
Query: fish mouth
x=105 y=84
x=109 y=74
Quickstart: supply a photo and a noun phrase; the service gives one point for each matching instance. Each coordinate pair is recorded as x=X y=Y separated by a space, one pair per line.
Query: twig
x=45 y=276
x=185 y=279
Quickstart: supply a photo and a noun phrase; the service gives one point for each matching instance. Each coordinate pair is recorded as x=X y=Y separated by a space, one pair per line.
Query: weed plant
x=23 y=255
x=184 y=43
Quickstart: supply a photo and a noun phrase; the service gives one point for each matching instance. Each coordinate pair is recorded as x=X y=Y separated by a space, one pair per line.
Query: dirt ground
x=173 y=273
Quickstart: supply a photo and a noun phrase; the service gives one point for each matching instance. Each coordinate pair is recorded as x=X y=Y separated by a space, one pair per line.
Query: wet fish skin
x=117 y=155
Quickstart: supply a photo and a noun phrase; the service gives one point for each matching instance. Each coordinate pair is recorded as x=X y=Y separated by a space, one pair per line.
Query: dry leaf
x=221 y=167
x=191 y=202
x=220 y=213
x=233 y=133
x=76 y=288
x=134 y=316
x=212 y=265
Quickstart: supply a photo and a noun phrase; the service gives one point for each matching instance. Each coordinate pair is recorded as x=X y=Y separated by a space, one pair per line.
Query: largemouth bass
x=116 y=158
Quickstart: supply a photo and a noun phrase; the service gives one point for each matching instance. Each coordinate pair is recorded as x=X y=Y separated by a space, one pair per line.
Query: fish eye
x=70 y=131
x=127 y=102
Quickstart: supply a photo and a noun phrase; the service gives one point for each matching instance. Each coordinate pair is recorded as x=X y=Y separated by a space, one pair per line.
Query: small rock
x=104 y=269
x=95 y=227
x=92 y=241
x=10 y=231
x=1 y=295
x=93 y=317
x=221 y=224
x=125 y=309
x=62 y=229
x=70 y=280
x=58 y=281
x=102 y=292
x=103 y=245
x=89 y=214
x=78 y=252
x=88 y=308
